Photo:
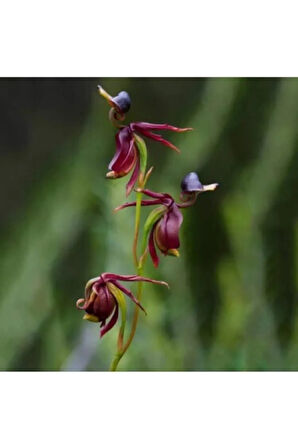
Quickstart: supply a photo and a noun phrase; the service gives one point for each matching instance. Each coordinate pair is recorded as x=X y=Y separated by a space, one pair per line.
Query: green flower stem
x=137 y=227
x=150 y=221
x=136 y=312
x=141 y=183
x=138 y=263
x=115 y=362
x=122 y=305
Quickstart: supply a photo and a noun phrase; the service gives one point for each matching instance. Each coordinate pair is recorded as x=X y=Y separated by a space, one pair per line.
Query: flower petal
x=167 y=230
x=191 y=183
x=159 y=139
x=122 y=102
x=151 y=247
x=125 y=155
x=129 y=294
x=108 y=276
x=111 y=322
x=132 y=204
x=145 y=128
x=165 y=198
x=130 y=184
x=141 y=125
x=90 y=283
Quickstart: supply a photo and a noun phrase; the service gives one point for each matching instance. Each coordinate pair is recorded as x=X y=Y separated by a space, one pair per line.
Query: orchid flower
x=101 y=301
x=167 y=221
x=126 y=158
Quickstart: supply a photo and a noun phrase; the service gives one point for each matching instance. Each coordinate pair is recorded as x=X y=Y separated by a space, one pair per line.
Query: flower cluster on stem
x=104 y=295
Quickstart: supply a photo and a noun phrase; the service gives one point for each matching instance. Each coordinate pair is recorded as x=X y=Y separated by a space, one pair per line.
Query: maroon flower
x=165 y=231
x=126 y=157
x=99 y=302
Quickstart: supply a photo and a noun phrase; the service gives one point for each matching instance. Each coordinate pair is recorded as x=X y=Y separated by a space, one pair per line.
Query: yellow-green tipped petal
x=105 y=95
x=90 y=317
x=173 y=253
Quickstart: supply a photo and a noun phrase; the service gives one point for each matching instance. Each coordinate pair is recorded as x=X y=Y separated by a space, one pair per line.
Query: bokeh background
x=233 y=298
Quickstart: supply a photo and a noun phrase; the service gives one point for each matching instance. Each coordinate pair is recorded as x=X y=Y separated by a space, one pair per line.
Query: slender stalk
x=137 y=227
x=137 y=310
x=140 y=270
x=115 y=362
x=138 y=263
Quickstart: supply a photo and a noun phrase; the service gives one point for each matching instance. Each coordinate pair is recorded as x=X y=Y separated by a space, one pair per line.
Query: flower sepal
x=119 y=296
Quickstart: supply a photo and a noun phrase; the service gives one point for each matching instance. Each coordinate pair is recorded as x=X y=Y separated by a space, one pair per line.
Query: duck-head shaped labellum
x=121 y=102
x=192 y=184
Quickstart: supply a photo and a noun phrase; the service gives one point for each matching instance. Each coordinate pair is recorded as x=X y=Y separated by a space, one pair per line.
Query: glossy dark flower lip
x=99 y=303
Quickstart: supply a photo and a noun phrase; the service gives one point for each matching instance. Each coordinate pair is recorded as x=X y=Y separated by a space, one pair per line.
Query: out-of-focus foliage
x=233 y=298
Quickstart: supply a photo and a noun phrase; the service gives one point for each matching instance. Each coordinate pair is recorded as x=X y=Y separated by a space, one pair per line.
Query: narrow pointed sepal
x=120 y=299
x=111 y=323
x=131 y=183
x=152 y=249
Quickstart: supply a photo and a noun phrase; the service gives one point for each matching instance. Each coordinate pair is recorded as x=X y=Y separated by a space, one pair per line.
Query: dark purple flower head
x=100 y=303
x=191 y=185
x=191 y=182
x=121 y=102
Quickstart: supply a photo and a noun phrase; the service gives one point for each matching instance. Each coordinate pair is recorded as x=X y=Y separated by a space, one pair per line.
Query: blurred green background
x=233 y=298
